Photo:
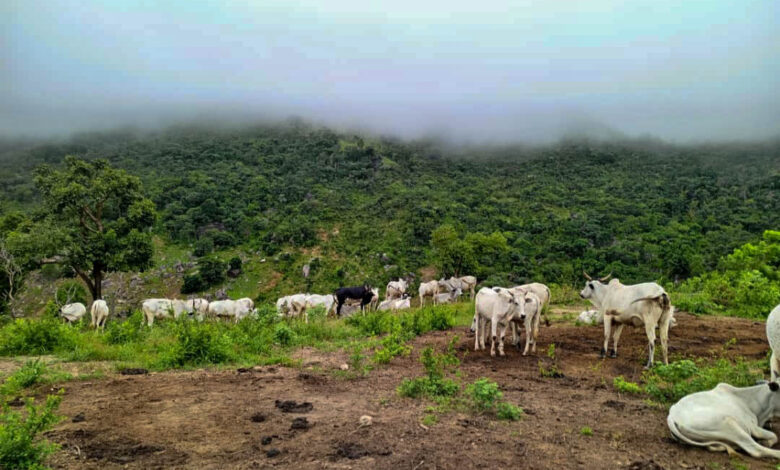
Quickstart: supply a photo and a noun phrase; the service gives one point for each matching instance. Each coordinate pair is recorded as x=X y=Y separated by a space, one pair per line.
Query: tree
x=99 y=218
x=12 y=272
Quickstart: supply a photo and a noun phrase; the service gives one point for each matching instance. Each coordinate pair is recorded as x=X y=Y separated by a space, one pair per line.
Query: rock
x=300 y=423
x=270 y=453
x=344 y=367
x=179 y=267
x=257 y=418
x=366 y=420
x=78 y=418
x=266 y=440
x=234 y=273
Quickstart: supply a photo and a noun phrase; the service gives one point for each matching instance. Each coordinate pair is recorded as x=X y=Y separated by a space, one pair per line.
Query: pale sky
x=480 y=70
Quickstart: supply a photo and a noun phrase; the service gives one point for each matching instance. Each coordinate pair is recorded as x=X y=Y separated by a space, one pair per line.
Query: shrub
x=283 y=334
x=198 y=344
x=211 y=270
x=203 y=247
x=35 y=337
x=669 y=383
x=235 y=263
x=128 y=331
x=193 y=283
x=393 y=345
x=29 y=374
x=508 y=411
x=20 y=445
x=434 y=385
x=484 y=396
x=625 y=387
x=586 y=431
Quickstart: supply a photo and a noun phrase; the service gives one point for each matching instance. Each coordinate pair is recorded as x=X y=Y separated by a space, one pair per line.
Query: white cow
x=773 y=336
x=727 y=417
x=293 y=306
x=530 y=319
x=283 y=305
x=197 y=307
x=428 y=289
x=157 y=308
x=99 y=314
x=73 y=312
x=466 y=284
x=498 y=306
x=448 y=297
x=250 y=304
x=229 y=309
x=639 y=304
x=396 y=289
x=326 y=301
x=395 y=304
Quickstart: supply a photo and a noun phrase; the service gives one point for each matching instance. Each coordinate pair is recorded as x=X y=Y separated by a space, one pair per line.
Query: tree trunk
x=97 y=272
x=93 y=291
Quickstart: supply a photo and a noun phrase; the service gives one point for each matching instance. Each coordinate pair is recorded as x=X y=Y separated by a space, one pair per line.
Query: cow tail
x=677 y=433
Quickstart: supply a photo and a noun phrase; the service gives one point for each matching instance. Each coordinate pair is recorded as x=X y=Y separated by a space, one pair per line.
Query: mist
x=492 y=71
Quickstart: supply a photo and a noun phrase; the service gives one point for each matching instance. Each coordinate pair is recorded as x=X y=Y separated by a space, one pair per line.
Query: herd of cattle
x=719 y=419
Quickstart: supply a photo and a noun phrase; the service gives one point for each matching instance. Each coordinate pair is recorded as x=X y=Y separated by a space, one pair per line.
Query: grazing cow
x=250 y=304
x=466 y=284
x=529 y=318
x=448 y=297
x=428 y=289
x=283 y=305
x=197 y=307
x=396 y=289
x=363 y=293
x=639 y=304
x=73 y=312
x=316 y=300
x=773 y=336
x=229 y=309
x=498 y=306
x=99 y=314
x=157 y=308
x=727 y=417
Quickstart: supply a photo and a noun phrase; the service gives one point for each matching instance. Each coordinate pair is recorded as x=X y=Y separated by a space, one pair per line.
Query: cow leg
x=764 y=435
x=515 y=336
x=535 y=330
x=743 y=439
x=650 y=330
x=476 y=331
x=607 y=331
x=493 y=327
x=664 y=334
x=501 y=339
x=528 y=334
x=616 y=338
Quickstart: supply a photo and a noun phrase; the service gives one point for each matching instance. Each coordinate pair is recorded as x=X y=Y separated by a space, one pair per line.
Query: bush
x=28 y=375
x=393 y=345
x=193 y=283
x=484 y=397
x=211 y=270
x=129 y=331
x=20 y=446
x=235 y=263
x=203 y=247
x=283 y=334
x=434 y=385
x=625 y=387
x=198 y=344
x=35 y=337
x=669 y=383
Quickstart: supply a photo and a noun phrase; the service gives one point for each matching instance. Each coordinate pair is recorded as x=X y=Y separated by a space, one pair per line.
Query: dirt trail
x=229 y=419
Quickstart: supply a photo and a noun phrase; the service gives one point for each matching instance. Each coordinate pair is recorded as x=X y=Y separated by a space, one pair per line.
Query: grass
x=586 y=431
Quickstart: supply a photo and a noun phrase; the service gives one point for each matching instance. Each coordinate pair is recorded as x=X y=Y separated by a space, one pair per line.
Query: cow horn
x=586 y=275
x=605 y=278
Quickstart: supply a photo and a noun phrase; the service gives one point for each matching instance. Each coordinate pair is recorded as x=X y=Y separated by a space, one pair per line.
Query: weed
x=624 y=386
x=430 y=419
x=485 y=397
x=586 y=431
x=20 y=445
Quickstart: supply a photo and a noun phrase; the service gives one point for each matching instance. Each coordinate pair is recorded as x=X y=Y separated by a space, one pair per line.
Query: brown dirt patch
x=202 y=419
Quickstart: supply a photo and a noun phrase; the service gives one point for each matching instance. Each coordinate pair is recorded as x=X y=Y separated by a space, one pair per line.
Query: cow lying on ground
x=363 y=293
x=640 y=304
x=99 y=314
x=497 y=306
x=448 y=297
x=73 y=312
x=773 y=336
x=727 y=417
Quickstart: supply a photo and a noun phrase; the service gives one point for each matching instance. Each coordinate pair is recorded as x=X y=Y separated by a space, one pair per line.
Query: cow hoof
x=525 y=354
x=613 y=354
x=602 y=354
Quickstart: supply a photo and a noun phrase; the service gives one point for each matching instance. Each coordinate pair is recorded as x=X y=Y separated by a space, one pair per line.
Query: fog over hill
x=496 y=71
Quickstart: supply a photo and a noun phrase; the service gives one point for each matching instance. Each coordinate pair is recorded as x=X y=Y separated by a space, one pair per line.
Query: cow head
x=594 y=289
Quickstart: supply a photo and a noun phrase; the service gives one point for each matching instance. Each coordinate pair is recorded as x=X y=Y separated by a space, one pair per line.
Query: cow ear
x=774 y=386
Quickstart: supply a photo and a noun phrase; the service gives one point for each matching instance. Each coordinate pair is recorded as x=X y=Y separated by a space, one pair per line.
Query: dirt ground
x=229 y=419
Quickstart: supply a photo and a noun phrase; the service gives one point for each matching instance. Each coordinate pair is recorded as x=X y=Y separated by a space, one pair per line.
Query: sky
x=477 y=71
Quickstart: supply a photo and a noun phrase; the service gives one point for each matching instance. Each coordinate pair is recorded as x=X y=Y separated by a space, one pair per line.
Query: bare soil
x=246 y=418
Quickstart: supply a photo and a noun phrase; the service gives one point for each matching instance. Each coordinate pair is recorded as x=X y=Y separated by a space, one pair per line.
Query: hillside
x=368 y=208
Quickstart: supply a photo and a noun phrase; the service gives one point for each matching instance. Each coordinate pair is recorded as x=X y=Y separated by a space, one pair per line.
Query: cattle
x=639 y=304
x=466 y=284
x=396 y=289
x=99 y=314
x=530 y=319
x=395 y=304
x=283 y=305
x=229 y=309
x=428 y=289
x=316 y=300
x=448 y=297
x=73 y=312
x=403 y=304
x=197 y=307
x=496 y=305
x=363 y=293
x=156 y=308
x=250 y=304
x=773 y=336
x=296 y=306
x=727 y=417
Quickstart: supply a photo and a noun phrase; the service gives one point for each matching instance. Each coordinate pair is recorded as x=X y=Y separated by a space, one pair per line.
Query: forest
x=367 y=208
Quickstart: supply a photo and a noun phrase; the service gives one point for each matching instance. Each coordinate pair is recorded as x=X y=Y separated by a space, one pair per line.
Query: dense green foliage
x=746 y=282
x=380 y=207
x=21 y=447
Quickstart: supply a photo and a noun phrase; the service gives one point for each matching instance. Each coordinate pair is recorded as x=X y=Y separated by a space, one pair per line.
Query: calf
x=727 y=417
x=529 y=318
x=496 y=305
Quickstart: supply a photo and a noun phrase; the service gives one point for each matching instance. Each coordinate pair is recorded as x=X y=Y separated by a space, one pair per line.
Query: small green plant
x=433 y=385
x=430 y=419
x=624 y=386
x=586 y=431
x=28 y=375
x=508 y=411
x=357 y=361
x=283 y=334
x=551 y=351
x=669 y=383
x=484 y=396
x=20 y=444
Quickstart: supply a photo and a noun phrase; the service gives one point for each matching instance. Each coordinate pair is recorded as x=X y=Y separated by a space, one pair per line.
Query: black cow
x=362 y=293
